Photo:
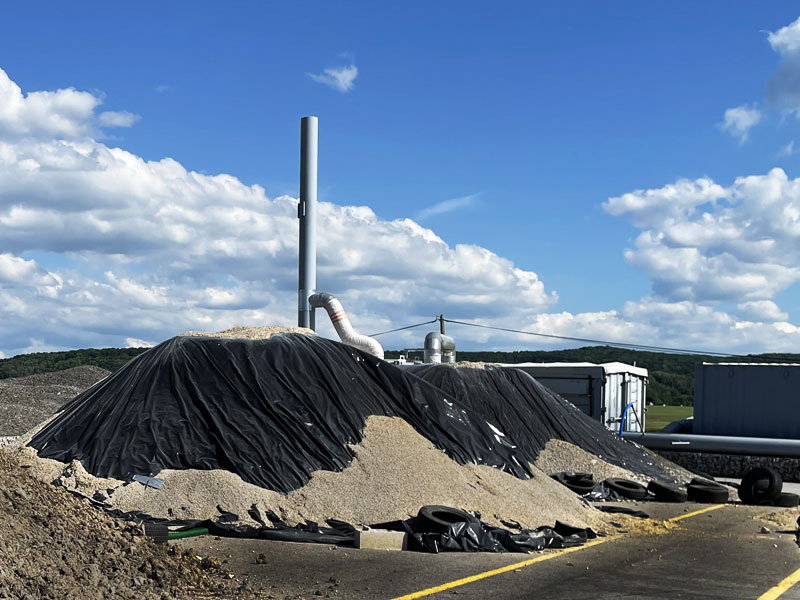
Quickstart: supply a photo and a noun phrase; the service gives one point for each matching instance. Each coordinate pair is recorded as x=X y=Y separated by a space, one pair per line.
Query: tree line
x=671 y=376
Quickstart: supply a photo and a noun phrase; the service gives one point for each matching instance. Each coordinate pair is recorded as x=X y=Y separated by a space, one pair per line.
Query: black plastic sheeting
x=473 y=536
x=477 y=536
x=273 y=411
x=531 y=415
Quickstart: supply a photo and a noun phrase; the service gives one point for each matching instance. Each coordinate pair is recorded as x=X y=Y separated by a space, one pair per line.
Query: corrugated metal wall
x=749 y=400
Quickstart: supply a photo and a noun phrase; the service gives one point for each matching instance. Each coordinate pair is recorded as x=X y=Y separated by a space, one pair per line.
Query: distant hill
x=671 y=376
x=23 y=365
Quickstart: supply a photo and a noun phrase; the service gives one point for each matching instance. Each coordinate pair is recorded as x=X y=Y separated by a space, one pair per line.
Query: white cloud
x=783 y=88
x=340 y=79
x=134 y=343
x=63 y=113
x=787 y=150
x=150 y=249
x=739 y=120
x=706 y=243
x=118 y=118
x=160 y=89
x=763 y=311
x=787 y=39
x=446 y=206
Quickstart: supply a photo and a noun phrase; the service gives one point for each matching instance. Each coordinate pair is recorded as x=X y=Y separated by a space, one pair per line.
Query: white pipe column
x=307 y=213
x=342 y=325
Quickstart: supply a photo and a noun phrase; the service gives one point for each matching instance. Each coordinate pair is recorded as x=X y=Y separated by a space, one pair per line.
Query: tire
x=788 y=500
x=704 y=481
x=666 y=493
x=580 y=483
x=760 y=486
x=439 y=518
x=712 y=494
x=626 y=488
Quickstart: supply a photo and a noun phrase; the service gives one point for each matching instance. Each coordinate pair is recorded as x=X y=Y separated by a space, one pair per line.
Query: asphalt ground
x=714 y=552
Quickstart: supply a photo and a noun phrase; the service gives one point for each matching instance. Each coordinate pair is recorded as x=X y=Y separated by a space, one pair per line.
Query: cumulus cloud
x=739 y=120
x=340 y=79
x=703 y=242
x=783 y=88
x=156 y=249
x=761 y=311
x=148 y=249
x=446 y=206
x=117 y=118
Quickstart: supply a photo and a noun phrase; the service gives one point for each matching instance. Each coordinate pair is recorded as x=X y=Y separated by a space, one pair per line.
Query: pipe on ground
x=719 y=444
x=341 y=323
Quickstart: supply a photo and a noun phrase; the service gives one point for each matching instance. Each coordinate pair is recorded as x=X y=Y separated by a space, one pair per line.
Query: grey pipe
x=439 y=348
x=719 y=444
x=307 y=213
x=342 y=325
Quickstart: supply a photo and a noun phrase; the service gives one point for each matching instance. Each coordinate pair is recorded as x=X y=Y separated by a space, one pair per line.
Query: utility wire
x=591 y=341
x=406 y=327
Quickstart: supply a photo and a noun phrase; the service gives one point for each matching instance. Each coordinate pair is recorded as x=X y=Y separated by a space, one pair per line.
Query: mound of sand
x=27 y=401
x=394 y=472
x=250 y=333
x=559 y=455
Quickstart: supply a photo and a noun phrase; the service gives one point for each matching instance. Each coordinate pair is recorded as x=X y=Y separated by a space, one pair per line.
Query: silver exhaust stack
x=307 y=213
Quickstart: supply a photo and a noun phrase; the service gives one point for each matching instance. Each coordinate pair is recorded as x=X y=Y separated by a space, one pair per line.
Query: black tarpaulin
x=273 y=411
x=531 y=415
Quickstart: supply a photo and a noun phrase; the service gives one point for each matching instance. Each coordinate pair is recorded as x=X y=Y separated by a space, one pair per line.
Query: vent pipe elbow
x=439 y=348
x=342 y=325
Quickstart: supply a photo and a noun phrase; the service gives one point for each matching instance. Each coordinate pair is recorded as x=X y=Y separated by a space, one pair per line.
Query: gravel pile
x=54 y=546
x=559 y=455
x=394 y=472
x=27 y=401
x=250 y=333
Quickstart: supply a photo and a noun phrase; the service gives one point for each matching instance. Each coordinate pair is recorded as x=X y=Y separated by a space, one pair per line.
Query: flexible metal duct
x=341 y=323
x=439 y=348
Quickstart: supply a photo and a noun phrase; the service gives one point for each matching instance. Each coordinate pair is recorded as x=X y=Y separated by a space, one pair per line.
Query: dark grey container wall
x=749 y=400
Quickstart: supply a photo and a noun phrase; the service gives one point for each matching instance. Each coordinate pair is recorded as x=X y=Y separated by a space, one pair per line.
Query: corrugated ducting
x=748 y=400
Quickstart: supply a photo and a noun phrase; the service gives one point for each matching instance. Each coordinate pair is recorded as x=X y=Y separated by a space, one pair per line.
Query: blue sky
x=530 y=115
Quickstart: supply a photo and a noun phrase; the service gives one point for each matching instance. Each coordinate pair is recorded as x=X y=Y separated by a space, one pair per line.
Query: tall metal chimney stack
x=307 y=213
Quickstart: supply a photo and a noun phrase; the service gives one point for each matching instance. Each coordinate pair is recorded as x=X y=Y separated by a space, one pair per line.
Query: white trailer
x=610 y=392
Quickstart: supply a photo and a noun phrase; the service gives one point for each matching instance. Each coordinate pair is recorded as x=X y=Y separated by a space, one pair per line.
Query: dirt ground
x=53 y=545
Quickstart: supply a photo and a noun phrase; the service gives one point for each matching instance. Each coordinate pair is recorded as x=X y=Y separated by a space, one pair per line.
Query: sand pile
x=27 y=401
x=395 y=470
x=54 y=546
x=250 y=333
x=559 y=455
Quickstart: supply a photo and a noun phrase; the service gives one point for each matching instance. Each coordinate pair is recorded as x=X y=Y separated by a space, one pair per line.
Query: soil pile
x=54 y=546
x=27 y=401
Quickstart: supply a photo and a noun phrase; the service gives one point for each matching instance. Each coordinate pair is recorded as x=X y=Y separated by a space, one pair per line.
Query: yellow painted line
x=782 y=587
x=506 y=569
x=695 y=513
x=472 y=578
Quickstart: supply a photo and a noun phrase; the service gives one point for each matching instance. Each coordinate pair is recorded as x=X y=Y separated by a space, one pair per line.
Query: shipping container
x=601 y=391
x=747 y=400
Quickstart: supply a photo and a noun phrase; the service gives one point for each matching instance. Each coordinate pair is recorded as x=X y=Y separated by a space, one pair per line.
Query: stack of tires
x=763 y=486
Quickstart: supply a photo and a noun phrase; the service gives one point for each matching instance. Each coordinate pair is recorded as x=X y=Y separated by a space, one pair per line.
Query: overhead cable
x=592 y=341
x=406 y=327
